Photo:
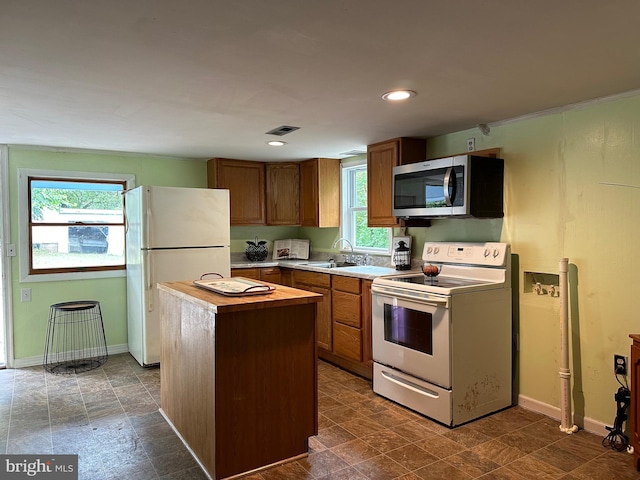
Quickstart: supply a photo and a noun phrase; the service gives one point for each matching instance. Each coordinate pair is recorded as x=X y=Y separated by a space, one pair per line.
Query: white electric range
x=442 y=345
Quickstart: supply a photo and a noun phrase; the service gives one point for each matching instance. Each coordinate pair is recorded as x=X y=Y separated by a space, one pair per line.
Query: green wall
x=30 y=318
x=561 y=200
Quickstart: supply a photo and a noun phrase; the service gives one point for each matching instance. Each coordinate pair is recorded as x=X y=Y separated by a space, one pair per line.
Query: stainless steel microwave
x=460 y=186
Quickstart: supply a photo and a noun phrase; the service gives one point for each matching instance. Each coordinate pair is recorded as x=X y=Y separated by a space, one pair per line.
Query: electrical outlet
x=471 y=144
x=620 y=364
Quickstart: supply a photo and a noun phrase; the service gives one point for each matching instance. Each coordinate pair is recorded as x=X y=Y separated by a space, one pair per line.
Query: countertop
x=282 y=296
x=368 y=272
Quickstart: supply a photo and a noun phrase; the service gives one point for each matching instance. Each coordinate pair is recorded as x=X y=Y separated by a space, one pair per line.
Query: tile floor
x=109 y=416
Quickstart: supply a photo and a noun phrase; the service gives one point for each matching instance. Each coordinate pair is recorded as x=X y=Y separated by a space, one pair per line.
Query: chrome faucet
x=347 y=258
x=346 y=240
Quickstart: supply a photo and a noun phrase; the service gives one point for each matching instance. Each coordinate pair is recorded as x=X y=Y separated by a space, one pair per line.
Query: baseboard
x=585 y=423
x=184 y=442
x=37 y=360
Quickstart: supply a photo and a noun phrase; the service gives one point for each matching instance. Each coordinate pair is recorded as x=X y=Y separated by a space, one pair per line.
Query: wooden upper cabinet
x=246 y=183
x=283 y=193
x=381 y=158
x=320 y=192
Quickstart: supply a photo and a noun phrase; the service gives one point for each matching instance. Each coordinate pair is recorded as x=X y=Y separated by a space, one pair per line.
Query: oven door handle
x=435 y=302
x=410 y=385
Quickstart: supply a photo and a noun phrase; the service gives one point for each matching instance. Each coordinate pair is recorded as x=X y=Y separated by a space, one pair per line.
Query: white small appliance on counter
x=173 y=234
x=442 y=345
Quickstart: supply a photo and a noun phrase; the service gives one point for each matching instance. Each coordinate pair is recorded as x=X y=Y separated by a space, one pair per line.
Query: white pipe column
x=566 y=424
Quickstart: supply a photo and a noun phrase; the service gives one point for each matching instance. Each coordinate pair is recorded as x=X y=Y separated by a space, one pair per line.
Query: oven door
x=413 y=334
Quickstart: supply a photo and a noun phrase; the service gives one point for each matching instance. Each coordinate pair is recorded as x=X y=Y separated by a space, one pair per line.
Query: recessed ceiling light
x=276 y=143
x=396 y=95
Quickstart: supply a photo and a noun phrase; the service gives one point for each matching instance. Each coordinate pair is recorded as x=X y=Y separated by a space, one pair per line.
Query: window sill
x=59 y=277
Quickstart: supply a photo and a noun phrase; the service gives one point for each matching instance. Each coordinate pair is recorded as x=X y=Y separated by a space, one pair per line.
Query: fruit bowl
x=431 y=271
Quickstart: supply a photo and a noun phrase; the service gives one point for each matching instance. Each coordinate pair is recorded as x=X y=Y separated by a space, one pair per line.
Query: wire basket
x=75 y=338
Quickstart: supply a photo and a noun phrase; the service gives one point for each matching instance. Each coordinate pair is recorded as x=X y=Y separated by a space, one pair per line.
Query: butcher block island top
x=239 y=375
x=281 y=296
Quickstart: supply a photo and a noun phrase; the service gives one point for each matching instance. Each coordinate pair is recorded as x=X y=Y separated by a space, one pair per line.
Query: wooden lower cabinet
x=347 y=318
x=347 y=342
x=324 y=332
x=318 y=283
x=265 y=274
x=347 y=308
x=635 y=400
x=343 y=319
x=286 y=277
x=367 y=343
x=239 y=376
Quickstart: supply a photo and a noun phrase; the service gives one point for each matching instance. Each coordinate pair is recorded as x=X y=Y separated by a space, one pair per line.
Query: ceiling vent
x=283 y=130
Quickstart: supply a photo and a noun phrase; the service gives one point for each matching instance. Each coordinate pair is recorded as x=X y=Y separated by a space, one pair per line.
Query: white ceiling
x=204 y=78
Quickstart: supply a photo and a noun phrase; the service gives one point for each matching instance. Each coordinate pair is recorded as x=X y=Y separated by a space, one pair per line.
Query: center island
x=238 y=375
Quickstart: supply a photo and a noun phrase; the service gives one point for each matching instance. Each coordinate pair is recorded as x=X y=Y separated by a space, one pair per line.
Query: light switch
x=25 y=295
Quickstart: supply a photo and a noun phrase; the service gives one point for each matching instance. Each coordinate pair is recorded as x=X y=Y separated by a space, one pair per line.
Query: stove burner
x=444 y=282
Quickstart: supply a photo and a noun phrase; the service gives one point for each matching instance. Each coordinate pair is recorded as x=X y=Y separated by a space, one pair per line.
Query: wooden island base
x=239 y=375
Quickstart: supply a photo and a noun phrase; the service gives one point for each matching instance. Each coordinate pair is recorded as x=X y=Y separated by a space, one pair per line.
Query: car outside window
x=75 y=224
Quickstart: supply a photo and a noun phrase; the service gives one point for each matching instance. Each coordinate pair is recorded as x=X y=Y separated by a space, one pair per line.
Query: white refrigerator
x=173 y=234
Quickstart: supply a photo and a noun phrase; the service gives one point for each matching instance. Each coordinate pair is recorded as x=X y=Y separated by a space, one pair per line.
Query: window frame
x=347 y=224
x=25 y=224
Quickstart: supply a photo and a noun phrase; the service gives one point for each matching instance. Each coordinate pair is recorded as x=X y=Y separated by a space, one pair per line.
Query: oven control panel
x=493 y=254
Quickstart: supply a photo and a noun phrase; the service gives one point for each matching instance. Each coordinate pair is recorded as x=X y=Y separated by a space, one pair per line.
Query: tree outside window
x=354 y=212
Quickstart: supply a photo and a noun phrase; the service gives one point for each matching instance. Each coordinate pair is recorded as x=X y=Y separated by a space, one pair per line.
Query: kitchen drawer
x=270 y=274
x=347 y=341
x=312 y=278
x=346 y=308
x=266 y=274
x=346 y=284
x=253 y=273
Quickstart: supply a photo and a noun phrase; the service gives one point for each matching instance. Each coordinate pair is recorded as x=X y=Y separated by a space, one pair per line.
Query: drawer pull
x=410 y=385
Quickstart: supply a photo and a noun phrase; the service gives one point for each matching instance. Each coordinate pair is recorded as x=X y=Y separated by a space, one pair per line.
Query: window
x=354 y=212
x=74 y=225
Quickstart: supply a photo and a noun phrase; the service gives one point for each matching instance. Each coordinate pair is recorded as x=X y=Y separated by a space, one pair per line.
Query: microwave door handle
x=447 y=181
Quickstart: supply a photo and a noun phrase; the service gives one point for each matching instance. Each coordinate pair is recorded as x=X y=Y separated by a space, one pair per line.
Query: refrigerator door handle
x=147 y=230
x=148 y=283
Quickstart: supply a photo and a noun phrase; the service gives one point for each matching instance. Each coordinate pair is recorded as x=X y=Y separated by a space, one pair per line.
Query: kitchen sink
x=331 y=264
